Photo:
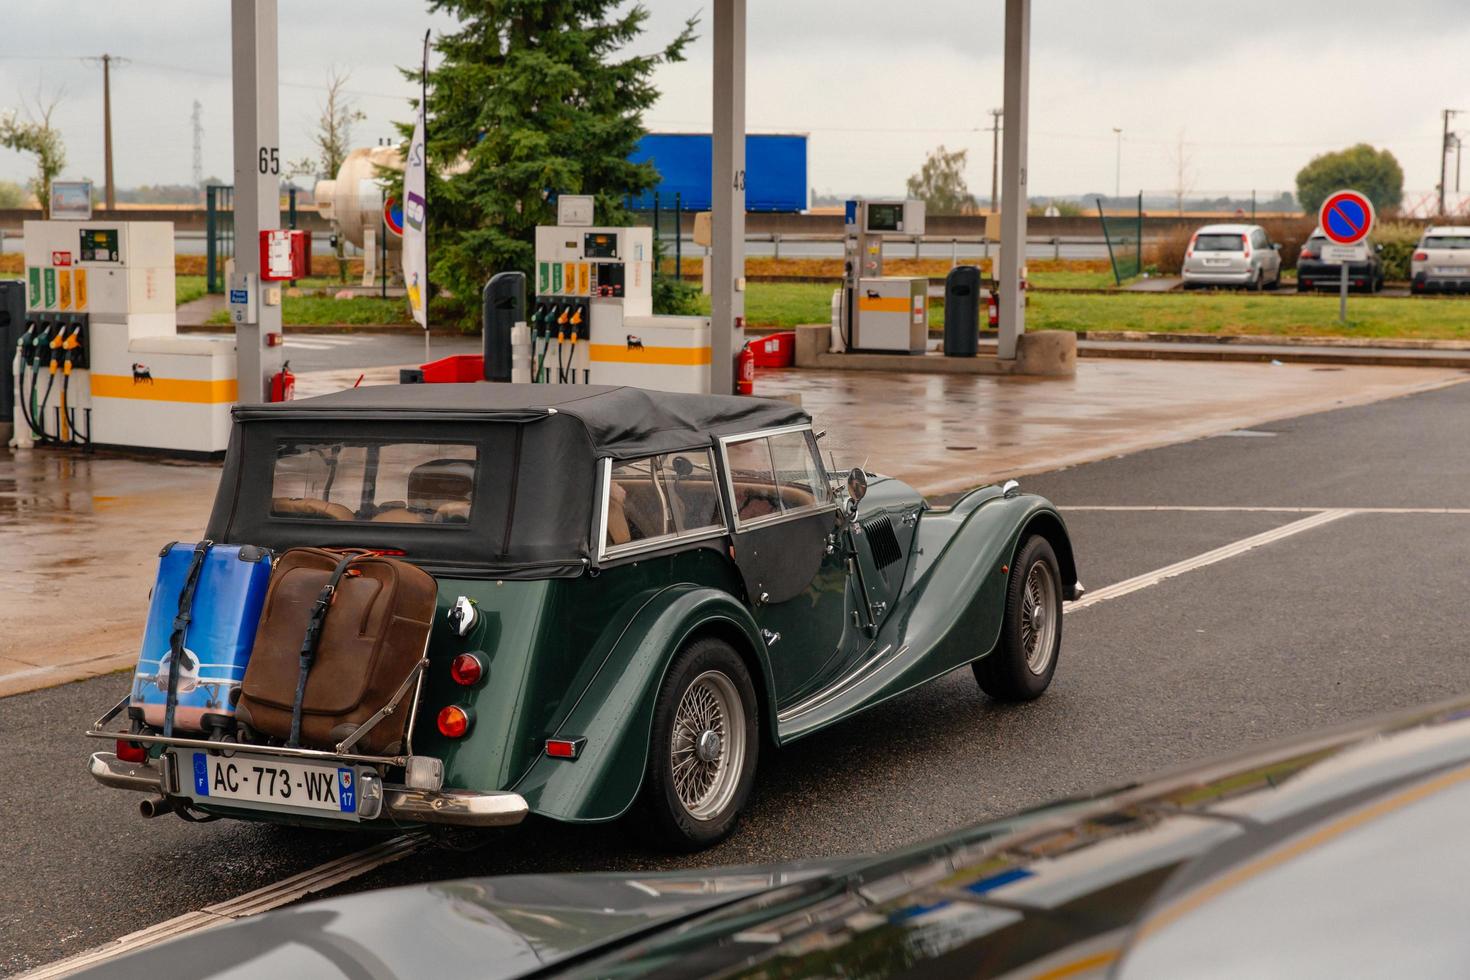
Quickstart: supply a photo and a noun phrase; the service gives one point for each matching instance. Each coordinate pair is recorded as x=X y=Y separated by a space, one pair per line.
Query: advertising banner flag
x=416 y=217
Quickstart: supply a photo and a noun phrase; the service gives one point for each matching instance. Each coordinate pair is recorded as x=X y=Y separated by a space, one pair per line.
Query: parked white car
x=1232 y=255
x=1441 y=260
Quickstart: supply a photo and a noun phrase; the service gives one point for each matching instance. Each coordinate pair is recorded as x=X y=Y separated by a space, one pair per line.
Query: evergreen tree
x=530 y=99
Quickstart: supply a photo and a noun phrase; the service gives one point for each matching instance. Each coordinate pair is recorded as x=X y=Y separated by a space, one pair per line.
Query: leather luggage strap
x=182 y=618
x=313 y=637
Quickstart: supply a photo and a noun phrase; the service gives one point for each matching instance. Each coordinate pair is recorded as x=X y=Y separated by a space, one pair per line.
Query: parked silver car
x=1441 y=260
x=1232 y=255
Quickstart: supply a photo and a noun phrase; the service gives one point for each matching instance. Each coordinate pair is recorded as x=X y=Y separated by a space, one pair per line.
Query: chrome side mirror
x=857 y=489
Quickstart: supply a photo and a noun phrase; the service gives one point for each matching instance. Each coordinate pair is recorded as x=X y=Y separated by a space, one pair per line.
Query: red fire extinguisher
x=745 y=372
x=283 y=384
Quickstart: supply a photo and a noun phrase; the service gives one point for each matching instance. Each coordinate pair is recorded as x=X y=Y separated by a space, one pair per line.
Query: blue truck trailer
x=775 y=171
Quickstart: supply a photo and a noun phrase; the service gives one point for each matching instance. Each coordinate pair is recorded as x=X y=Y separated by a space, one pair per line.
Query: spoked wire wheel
x=1021 y=665
x=1038 y=617
x=707 y=748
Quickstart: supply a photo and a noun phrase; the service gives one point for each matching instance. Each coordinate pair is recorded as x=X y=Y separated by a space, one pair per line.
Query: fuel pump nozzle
x=562 y=315
x=576 y=325
x=540 y=330
x=67 y=423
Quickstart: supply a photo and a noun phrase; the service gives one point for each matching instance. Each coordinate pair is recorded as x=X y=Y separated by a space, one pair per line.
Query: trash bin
x=962 y=311
x=504 y=307
x=12 y=325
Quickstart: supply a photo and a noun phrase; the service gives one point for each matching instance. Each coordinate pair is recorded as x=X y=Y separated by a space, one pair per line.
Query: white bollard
x=21 y=436
x=520 y=354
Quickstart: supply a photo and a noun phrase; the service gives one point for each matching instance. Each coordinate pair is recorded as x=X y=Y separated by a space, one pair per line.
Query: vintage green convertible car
x=637 y=591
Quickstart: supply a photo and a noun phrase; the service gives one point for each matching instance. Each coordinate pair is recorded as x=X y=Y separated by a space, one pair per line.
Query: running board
x=828 y=694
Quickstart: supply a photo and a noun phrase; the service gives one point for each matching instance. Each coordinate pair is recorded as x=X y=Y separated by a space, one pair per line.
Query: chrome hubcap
x=707 y=750
x=708 y=747
x=1038 y=617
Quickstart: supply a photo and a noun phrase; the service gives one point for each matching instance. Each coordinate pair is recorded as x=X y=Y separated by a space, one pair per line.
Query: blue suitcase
x=228 y=597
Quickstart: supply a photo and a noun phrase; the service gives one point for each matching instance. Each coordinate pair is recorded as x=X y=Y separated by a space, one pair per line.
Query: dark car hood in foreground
x=1340 y=854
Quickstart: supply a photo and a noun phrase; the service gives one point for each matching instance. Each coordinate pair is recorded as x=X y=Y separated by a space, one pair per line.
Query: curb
x=1352 y=343
x=1224 y=352
x=407 y=330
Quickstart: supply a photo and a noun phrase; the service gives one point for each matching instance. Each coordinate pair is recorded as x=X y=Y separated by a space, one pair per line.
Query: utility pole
x=108 y=60
x=1444 y=158
x=995 y=159
x=1118 y=164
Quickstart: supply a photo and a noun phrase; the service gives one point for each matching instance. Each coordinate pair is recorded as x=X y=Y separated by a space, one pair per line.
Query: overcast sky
x=1254 y=87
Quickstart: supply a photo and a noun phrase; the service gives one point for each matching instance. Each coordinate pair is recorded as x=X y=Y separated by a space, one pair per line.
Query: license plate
x=1449 y=270
x=262 y=781
x=1217 y=262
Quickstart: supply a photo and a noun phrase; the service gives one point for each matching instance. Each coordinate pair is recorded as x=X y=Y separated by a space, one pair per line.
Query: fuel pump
x=878 y=312
x=101 y=295
x=594 y=292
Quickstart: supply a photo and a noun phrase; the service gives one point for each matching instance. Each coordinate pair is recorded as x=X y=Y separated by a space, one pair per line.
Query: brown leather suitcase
x=373 y=634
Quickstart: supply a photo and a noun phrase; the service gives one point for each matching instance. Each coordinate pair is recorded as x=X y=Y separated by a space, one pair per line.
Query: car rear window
x=1220 y=243
x=1447 y=241
x=372 y=481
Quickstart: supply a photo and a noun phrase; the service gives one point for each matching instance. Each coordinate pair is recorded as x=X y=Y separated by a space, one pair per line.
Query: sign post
x=1345 y=218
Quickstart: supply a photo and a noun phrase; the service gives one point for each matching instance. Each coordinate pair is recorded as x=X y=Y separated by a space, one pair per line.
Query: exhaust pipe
x=156 y=808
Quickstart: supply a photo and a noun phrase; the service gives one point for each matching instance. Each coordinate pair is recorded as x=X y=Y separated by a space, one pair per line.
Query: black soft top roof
x=619 y=421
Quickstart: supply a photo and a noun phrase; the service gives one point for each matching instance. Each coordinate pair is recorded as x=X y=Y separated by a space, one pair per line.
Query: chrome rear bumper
x=457 y=807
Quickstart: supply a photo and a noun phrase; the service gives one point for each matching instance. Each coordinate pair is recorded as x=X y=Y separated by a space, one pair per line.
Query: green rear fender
x=615 y=713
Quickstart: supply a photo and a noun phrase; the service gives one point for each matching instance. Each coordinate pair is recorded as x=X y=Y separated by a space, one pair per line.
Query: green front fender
x=615 y=712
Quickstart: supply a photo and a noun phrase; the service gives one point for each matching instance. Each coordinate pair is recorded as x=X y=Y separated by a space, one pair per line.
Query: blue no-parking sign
x=1346 y=217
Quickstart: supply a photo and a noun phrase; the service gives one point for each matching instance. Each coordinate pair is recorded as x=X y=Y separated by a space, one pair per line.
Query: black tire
x=661 y=817
x=1007 y=674
x=1257 y=284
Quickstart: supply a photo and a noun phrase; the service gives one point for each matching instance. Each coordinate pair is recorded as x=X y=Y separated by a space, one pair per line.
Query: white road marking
x=315 y=338
x=307 y=345
x=1226 y=509
x=271 y=896
x=1147 y=579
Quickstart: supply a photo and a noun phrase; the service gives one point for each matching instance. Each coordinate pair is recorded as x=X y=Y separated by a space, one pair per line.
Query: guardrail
x=776 y=239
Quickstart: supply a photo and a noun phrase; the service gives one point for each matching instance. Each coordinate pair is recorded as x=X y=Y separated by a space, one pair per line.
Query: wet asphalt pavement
x=1362 y=615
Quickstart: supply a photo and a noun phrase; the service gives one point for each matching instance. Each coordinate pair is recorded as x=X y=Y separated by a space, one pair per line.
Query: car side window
x=774 y=475
x=798 y=472
x=661 y=497
x=693 y=493
x=752 y=479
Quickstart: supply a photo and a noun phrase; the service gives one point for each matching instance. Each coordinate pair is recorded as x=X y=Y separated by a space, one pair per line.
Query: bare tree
x=333 y=139
x=333 y=135
x=1183 y=172
x=37 y=136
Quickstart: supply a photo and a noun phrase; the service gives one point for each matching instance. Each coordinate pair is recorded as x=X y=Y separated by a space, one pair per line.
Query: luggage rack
x=342 y=752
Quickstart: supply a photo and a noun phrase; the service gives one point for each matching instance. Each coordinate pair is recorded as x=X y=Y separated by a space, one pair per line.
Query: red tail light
x=455 y=722
x=1189 y=252
x=1306 y=253
x=1246 y=242
x=1421 y=256
x=131 y=751
x=467 y=669
x=564 y=748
